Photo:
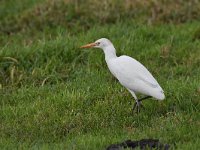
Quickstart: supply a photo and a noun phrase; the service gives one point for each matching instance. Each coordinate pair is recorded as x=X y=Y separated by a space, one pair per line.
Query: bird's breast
x=117 y=71
x=112 y=67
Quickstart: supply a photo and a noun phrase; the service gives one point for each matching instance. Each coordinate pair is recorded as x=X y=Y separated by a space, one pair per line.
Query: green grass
x=54 y=95
x=62 y=96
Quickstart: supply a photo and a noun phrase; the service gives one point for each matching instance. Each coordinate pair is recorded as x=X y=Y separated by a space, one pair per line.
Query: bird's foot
x=137 y=106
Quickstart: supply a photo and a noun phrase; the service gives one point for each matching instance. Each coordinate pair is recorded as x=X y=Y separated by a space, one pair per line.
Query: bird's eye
x=98 y=43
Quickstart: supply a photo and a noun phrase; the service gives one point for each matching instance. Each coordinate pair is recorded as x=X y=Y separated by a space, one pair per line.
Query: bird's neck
x=109 y=52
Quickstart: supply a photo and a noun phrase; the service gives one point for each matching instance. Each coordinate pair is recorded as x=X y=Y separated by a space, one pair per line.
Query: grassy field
x=54 y=95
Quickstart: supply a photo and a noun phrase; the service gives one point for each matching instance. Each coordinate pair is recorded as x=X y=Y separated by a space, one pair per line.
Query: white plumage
x=130 y=73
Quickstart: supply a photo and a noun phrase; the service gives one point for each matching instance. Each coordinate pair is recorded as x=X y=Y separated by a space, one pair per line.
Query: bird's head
x=100 y=43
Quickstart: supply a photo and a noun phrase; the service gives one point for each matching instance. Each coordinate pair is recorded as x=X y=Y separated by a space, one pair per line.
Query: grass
x=57 y=96
x=78 y=15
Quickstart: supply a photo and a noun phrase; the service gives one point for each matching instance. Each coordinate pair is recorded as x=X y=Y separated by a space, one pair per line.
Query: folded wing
x=134 y=76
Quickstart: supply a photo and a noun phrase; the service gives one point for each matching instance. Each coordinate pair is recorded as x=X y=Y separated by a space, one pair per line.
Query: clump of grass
x=196 y=34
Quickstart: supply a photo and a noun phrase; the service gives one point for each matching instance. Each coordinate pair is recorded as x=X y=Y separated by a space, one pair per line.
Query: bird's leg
x=137 y=106
x=141 y=99
x=138 y=103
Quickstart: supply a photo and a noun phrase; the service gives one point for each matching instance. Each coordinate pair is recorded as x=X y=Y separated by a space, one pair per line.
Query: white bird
x=130 y=73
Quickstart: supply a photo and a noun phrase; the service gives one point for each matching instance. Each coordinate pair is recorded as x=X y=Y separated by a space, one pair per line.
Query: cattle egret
x=131 y=74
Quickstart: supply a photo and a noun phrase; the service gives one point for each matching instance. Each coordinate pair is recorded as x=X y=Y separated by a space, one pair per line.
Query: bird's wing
x=129 y=69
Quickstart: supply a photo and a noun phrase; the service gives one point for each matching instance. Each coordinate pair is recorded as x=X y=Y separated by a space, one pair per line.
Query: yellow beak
x=88 y=45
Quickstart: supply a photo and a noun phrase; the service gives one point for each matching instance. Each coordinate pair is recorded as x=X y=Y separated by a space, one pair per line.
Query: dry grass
x=84 y=14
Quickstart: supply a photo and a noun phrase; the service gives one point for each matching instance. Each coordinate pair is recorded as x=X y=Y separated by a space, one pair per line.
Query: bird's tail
x=159 y=95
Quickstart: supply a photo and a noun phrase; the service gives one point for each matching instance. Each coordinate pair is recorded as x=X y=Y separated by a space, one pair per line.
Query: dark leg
x=137 y=106
x=141 y=99
x=138 y=103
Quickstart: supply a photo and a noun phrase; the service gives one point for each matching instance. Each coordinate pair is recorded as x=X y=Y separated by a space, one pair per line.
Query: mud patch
x=143 y=144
